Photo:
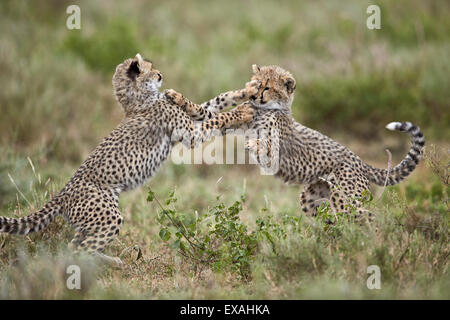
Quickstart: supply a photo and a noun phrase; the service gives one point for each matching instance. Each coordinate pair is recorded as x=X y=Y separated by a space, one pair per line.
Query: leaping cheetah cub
x=299 y=155
x=124 y=160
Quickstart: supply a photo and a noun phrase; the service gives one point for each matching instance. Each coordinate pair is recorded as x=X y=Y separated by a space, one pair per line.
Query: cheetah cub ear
x=139 y=58
x=256 y=68
x=290 y=85
x=133 y=70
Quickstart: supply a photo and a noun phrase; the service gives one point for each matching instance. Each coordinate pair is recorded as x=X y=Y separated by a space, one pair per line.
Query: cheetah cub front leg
x=259 y=149
x=210 y=108
x=232 y=98
x=241 y=114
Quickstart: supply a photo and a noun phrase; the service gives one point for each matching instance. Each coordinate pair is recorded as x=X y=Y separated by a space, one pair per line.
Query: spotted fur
x=299 y=155
x=124 y=160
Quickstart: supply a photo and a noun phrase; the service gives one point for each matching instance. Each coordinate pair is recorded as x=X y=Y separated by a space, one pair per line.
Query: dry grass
x=411 y=247
x=57 y=104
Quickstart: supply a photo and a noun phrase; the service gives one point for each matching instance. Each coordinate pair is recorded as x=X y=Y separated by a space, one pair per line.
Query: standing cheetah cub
x=125 y=159
x=299 y=155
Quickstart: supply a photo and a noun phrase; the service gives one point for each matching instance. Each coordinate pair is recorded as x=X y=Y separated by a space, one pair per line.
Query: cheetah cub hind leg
x=313 y=196
x=76 y=246
x=94 y=234
x=113 y=261
x=346 y=196
x=341 y=199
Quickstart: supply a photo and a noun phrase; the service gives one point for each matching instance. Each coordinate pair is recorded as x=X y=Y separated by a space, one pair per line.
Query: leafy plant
x=220 y=240
x=217 y=238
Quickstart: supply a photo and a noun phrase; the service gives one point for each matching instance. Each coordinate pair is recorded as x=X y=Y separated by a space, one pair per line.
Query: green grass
x=308 y=259
x=57 y=104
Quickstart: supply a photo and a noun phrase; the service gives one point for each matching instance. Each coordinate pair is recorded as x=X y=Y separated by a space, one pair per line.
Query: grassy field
x=57 y=104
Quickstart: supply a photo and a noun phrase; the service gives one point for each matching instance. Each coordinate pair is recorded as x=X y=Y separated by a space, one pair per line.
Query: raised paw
x=258 y=150
x=251 y=145
x=245 y=112
x=252 y=87
x=256 y=146
x=174 y=97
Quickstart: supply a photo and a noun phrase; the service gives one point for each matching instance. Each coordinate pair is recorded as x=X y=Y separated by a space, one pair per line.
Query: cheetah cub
x=125 y=159
x=300 y=155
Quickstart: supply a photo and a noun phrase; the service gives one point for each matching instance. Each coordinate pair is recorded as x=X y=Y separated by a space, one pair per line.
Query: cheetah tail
x=33 y=222
x=408 y=164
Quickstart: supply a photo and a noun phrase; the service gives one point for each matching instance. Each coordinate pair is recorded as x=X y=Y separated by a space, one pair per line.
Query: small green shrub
x=217 y=238
x=220 y=240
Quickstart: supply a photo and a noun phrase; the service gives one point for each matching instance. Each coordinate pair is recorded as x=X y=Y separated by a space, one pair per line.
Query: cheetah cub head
x=276 y=90
x=136 y=80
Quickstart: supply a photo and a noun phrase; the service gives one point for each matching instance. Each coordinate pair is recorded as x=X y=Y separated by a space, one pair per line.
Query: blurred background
x=57 y=103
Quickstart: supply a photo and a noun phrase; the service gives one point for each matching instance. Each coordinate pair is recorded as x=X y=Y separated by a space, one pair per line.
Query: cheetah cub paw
x=257 y=146
x=174 y=96
x=259 y=151
x=251 y=145
x=252 y=88
x=245 y=113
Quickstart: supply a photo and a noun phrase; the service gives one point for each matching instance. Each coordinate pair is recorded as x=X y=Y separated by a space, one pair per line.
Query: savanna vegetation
x=226 y=231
